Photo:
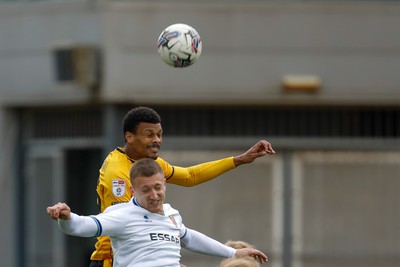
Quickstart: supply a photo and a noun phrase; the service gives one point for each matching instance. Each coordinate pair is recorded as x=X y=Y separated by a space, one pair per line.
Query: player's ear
x=132 y=190
x=129 y=137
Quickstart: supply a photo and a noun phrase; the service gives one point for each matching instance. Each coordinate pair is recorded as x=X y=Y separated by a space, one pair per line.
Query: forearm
x=82 y=226
x=201 y=173
x=201 y=243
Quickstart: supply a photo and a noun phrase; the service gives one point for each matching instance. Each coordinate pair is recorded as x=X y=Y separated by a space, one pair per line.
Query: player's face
x=150 y=192
x=146 y=142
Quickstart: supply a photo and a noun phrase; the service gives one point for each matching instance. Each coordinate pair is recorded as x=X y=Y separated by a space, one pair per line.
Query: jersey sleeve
x=198 y=242
x=197 y=174
x=83 y=226
x=110 y=223
x=93 y=226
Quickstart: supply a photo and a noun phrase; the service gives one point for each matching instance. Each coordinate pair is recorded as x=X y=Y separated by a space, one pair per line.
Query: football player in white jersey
x=145 y=232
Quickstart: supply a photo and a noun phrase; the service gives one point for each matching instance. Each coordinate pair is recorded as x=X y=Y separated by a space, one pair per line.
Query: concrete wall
x=352 y=47
x=29 y=33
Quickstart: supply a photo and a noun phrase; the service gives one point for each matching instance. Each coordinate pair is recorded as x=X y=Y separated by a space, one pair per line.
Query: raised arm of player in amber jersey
x=196 y=174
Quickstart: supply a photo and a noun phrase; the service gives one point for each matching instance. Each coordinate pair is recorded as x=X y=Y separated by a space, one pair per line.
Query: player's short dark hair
x=138 y=115
x=145 y=167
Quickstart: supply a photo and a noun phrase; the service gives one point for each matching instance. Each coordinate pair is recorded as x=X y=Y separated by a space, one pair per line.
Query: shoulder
x=121 y=207
x=161 y=161
x=169 y=210
x=166 y=167
x=116 y=164
x=116 y=155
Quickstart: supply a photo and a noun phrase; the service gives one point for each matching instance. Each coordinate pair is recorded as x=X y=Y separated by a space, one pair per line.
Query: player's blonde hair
x=240 y=262
x=145 y=167
x=238 y=244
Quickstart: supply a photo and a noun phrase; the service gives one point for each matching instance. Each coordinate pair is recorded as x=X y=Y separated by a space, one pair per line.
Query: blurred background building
x=320 y=80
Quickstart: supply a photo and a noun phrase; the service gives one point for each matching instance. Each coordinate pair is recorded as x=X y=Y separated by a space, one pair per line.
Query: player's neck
x=130 y=154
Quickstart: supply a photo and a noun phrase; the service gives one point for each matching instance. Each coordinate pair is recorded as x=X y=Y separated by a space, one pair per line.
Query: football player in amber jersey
x=143 y=137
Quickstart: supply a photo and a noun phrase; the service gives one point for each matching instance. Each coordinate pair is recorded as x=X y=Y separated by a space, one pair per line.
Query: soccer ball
x=179 y=45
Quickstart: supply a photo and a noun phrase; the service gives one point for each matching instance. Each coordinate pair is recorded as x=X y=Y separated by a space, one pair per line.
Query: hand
x=252 y=252
x=59 y=211
x=260 y=149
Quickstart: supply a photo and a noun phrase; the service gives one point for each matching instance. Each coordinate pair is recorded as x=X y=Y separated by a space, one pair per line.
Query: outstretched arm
x=200 y=173
x=201 y=243
x=198 y=242
x=72 y=224
x=204 y=172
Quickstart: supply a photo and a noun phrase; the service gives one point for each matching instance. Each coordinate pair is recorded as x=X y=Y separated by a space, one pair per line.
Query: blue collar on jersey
x=136 y=203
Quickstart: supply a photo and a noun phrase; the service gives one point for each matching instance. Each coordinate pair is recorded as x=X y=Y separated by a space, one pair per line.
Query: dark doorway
x=82 y=171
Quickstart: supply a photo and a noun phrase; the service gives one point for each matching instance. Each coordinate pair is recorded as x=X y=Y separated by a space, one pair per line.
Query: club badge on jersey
x=118 y=187
x=174 y=221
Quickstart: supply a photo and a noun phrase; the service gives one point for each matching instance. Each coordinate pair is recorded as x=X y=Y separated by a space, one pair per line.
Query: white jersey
x=140 y=238
x=153 y=238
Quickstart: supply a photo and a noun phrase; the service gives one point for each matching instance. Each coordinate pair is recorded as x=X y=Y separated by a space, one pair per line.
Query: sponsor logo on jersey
x=118 y=187
x=164 y=237
x=146 y=218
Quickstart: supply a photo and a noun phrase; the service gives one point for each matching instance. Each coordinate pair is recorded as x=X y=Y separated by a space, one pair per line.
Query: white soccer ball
x=179 y=45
